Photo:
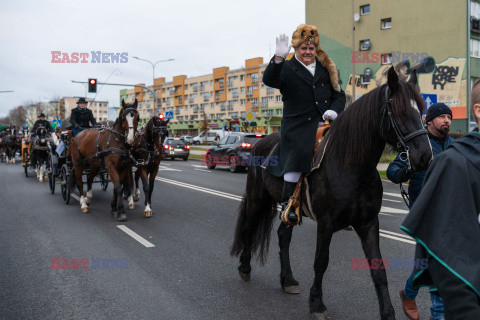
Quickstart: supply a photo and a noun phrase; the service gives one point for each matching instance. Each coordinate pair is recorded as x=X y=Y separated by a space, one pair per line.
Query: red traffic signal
x=161 y=116
x=92 y=85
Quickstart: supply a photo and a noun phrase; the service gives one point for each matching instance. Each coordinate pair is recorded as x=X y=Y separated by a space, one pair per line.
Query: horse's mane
x=347 y=133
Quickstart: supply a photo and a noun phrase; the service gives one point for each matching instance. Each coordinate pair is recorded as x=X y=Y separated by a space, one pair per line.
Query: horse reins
x=404 y=155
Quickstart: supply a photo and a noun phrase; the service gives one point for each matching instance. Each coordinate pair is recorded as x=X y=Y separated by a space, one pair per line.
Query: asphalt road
x=179 y=267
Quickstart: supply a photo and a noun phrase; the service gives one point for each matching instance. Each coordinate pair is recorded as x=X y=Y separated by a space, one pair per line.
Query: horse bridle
x=402 y=140
x=124 y=114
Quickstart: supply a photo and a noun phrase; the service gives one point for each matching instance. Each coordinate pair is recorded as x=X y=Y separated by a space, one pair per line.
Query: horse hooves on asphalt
x=122 y=217
x=319 y=316
x=115 y=214
x=85 y=210
x=147 y=214
x=136 y=198
x=291 y=289
x=131 y=206
x=245 y=276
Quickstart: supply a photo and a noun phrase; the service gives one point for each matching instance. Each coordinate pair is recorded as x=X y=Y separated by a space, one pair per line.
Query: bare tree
x=17 y=117
x=204 y=124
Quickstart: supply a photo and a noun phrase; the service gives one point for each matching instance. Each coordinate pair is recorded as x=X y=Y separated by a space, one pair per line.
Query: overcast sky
x=199 y=35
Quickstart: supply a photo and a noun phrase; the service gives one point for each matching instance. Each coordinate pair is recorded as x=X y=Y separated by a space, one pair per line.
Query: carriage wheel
x=64 y=184
x=104 y=182
x=51 y=174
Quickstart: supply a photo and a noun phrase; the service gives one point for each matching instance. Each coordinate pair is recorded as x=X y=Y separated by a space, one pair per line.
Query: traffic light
x=92 y=85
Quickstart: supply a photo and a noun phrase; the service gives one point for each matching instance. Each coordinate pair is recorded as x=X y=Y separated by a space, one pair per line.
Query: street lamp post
x=153 y=83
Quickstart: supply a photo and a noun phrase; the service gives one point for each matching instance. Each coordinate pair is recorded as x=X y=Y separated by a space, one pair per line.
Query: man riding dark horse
x=42 y=122
x=311 y=92
x=82 y=118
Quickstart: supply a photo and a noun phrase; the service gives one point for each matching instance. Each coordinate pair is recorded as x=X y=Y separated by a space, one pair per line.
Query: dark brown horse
x=148 y=151
x=344 y=190
x=110 y=147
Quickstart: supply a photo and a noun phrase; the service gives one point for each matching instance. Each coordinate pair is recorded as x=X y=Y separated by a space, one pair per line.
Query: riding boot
x=287 y=192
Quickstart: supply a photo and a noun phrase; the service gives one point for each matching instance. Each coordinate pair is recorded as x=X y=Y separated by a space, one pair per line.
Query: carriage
x=60 y=164
x=25 y=152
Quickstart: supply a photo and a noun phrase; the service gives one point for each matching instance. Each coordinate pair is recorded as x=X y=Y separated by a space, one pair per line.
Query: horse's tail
x=255 y=219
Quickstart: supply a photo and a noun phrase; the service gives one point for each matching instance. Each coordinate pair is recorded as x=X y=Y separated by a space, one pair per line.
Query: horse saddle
x=295 y=200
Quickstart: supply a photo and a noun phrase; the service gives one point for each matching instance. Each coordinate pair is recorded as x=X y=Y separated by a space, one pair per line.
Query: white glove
x=283 y=46
x=330 y=115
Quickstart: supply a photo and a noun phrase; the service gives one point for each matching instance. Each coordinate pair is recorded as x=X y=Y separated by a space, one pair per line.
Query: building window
x=365 y=44
x=365 y=9
x=279 y=98
x=386 y=58
x=242 y=102
x=242 y=77
x=475 y=48
x=387 y=23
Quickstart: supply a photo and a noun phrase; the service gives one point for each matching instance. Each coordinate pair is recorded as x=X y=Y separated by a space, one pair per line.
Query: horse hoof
x=122 y=217
x=115 y=214
x=85 y=210
x=88 y=200
x=291 y=289
x=147 y=214
x=245 y=276
x=319 y=316
x=131 y=206
x=136 y=198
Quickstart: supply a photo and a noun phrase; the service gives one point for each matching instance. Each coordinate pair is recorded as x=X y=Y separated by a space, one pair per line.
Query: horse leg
x=288 y=282
x=369 y=235
x=149 y=191
x=79 y=180
x=90 y=177
x=129 y=188
x=118 y=211
x=136 y=196
x=318 y=309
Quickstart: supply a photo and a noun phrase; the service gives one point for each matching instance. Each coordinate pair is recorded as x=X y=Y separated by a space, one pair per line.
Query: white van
x=209 y=136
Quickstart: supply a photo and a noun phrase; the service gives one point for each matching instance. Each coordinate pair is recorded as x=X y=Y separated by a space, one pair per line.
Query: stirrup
x=284 y=215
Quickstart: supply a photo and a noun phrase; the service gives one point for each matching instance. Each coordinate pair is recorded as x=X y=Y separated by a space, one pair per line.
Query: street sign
x=58 y=122
x=249 y=116
x=169 y=115
x=429 y=99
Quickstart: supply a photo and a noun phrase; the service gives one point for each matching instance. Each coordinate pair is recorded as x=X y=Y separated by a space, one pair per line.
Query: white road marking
x=74 y=196
x=162 y=168
x=393 y=210
x=392 y=194
x=203 y=170
x=397 y=238
x=397 y=234
x=392 y=200
x=198 y=188
x=197 y=166
x=135 y=236
x=166 y=164
x=385 y=214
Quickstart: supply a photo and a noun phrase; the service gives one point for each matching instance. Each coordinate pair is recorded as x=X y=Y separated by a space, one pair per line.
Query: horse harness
x=151 y=154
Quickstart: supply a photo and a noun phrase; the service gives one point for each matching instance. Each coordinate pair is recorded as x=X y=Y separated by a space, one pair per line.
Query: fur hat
x=309 y=34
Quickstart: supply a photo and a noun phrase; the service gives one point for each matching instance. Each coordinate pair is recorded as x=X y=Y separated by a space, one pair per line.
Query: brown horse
x=111 y=148
x=148 y=151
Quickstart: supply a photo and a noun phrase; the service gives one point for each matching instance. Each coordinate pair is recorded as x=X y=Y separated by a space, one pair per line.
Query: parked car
x=187 y=139
x=176 y=148
x=209 y=136
x=232 y=151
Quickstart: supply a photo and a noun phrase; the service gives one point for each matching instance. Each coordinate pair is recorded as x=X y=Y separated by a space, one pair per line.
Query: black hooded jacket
x=445 y=220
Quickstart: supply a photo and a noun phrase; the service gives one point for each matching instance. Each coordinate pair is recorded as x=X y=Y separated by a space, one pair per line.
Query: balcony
x=217 y=96
x=205 y=99
x=222 y=108
x=195 y=110
x=177 y=111
x=249 y=93
x=254 y=80
x=202 y=88
x=264 y=105
x=270 y=91
x=195 y=89
x=222 y=84
x=235 y=95
x=230 y=83
x=255 y=105
x=190 y=100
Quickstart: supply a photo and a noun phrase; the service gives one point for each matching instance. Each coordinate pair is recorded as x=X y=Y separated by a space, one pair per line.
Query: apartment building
x=387 y=32
x=221 y=98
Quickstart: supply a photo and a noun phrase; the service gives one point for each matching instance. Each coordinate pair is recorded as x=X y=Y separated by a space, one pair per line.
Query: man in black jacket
x=82 y=117
x=311 y=92
x=42 y=122
x=445 y=222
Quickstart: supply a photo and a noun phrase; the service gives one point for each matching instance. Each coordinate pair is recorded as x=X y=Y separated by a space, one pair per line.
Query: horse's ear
x=123 y=104
x=392 y=80
x=135 y=104
x=413 y=78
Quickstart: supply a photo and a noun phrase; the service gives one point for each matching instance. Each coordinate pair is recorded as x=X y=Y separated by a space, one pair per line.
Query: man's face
x=82 y=105
x=306 y=53
x=440 y=126
x=42 y=118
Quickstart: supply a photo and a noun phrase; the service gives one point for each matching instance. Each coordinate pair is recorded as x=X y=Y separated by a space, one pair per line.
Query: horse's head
x=158 y=130
x=42 y=133
x=129 y=120
x=402 y=125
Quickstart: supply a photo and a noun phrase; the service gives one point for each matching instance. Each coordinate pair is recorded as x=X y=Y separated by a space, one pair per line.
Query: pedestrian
x=310 y=89
x=445 y=222
x=82 y=118
x=439 y=120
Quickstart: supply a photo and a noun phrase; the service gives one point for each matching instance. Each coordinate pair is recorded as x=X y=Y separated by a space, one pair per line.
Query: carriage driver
x=310 y=89
x=82 y=118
